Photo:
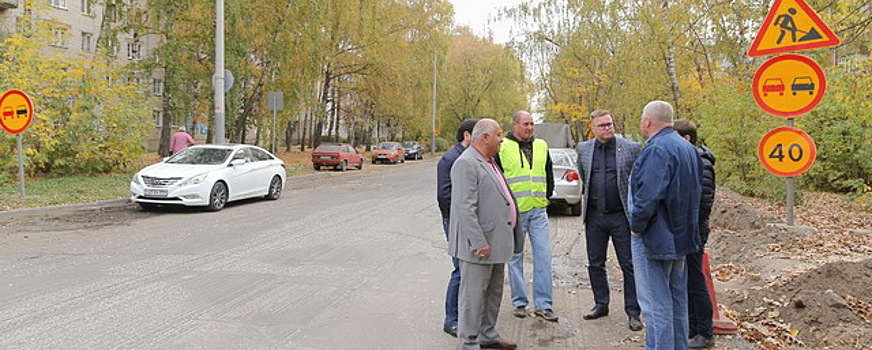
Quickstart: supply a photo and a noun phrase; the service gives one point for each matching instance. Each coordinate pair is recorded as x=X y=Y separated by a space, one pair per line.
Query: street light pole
x=218 y=78
x=433 y=119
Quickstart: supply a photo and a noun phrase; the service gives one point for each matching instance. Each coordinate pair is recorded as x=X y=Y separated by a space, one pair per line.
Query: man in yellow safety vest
x=526 y=165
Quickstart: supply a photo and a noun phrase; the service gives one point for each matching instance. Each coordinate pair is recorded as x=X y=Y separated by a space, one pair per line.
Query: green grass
x=66 y=190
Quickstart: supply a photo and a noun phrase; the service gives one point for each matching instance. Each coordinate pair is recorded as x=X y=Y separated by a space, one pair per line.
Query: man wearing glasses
x=605 y=163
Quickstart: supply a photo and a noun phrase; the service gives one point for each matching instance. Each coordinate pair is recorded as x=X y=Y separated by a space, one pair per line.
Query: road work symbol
x=787 y=24
x=791 y=25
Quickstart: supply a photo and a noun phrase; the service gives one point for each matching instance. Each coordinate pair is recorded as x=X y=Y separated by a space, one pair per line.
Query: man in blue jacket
x=664 y=219
x=443 y=197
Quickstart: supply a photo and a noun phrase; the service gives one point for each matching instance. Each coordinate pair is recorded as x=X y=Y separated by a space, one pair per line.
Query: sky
x=475 y=14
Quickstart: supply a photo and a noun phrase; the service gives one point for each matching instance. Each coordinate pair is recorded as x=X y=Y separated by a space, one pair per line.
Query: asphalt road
x=352 y=260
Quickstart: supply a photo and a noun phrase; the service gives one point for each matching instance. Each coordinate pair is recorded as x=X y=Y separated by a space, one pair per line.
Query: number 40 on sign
x=787 y=151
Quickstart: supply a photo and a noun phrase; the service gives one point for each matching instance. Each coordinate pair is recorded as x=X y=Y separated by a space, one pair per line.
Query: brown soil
x=795 y=287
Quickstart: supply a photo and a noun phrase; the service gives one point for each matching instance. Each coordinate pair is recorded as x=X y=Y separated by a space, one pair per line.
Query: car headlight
x=194 y=180
x=393 y=153
x=136 y=179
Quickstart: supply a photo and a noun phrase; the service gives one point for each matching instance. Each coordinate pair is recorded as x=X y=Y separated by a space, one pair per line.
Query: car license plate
x=382 y=156
x=326 y=157
x=155 y=193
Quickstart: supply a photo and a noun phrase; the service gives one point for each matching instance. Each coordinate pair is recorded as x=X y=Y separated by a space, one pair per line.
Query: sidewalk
x=573 y=298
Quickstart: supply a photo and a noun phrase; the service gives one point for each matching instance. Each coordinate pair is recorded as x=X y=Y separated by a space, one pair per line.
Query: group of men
x=652 y=202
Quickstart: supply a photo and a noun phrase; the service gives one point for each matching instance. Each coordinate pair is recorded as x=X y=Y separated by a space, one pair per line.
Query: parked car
x=567 y=182
x=336 y=155
x=209 y=176
x=388 y=152
x=413 y=150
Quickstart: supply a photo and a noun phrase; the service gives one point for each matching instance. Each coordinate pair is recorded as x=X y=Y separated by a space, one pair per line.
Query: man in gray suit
x=483 y=235
x=605 y=163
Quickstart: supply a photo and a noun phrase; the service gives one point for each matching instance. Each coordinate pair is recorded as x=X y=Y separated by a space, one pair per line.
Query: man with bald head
x=483 y=235
x=665 y=192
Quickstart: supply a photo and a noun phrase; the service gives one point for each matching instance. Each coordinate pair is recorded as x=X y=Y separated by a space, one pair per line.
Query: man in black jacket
x=699 y=305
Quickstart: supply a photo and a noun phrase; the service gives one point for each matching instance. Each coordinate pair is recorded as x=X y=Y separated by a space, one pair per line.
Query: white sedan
x=209 y=176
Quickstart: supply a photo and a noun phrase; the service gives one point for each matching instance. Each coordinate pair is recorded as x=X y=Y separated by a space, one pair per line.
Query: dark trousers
x=598 y=229
x=699 y=306
x=453 y=286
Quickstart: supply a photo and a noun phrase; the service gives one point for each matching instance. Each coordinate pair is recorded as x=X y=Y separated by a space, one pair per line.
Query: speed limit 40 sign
x=787 y=151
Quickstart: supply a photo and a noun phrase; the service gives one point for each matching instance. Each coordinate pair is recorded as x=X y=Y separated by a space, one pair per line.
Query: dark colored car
x=414 y=150
x=337 y=155
x=802 y=84
x=389 y=152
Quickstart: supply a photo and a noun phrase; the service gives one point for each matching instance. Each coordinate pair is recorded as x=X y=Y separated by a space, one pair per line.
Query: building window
x=62 y=4
x=86 y=7
x=113 y=48
x=59 y=37
x=134 y=51
x=158 y=117
x=111 y=13
x=157 y=87
x=87 y=41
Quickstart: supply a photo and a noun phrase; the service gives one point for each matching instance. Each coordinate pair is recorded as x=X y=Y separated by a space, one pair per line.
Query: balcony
x=8 y=4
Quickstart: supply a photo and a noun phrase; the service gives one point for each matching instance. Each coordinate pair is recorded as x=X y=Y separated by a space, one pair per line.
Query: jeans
x=598 y=229
x=699 y=305
x=453 y=286
x=661 y=287
x=535 y=224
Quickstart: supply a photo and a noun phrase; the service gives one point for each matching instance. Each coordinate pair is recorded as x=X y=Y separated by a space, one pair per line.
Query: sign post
x=275 y=102
x=17 y=113
x=789 y=85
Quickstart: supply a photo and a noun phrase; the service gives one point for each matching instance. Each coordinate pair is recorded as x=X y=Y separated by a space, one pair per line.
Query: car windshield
x=409 y=145
x=386 y=146
x=560 y=158
x=210 y=156
x=328 y=148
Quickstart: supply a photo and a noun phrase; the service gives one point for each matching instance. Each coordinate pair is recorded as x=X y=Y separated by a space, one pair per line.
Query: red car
x=337 y=155
x=389 y=152
x=773 y=85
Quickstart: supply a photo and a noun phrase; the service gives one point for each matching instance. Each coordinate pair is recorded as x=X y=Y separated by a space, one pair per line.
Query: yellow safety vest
x=528 y=183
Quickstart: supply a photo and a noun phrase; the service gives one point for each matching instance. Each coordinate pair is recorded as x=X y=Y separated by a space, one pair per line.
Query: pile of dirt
x=795 y=286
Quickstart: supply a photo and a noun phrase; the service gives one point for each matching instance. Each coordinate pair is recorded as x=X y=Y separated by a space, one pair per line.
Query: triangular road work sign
x=791 y=25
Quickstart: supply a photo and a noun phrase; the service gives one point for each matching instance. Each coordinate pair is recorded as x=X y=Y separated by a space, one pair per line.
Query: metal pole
x=433 y=119
x=20 y=165
x=273 y=148
x=218 y=79
x=791 y=190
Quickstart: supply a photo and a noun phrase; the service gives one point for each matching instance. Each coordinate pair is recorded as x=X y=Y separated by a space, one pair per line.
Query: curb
x=113 y=202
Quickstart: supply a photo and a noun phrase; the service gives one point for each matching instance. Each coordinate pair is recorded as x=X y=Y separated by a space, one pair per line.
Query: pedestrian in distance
x=443 y=197
x=483 y=235
x=180 y=140
x=699 y=304
x=526 y=164
x=605 y=163
x=665 y=192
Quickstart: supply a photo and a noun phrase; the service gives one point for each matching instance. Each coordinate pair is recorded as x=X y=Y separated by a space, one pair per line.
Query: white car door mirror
x=237 y=162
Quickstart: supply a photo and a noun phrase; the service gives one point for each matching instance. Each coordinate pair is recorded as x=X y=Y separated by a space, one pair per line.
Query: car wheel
x=373 y=161
x=420 y=156
x=403 y=159
x=576 y=209
x=217 y=197
x=343 y=165
x=275 y=188
x=360 y=165
x=147 y=206
x=317 y=167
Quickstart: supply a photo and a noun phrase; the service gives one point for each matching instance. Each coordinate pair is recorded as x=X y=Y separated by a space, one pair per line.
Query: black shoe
x=635 y=323
x=547 y=315
x=700 y=342
x=596 y=312
x=451 y=330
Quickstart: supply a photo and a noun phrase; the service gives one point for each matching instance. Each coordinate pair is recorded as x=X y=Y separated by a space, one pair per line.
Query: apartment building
x=79 y=25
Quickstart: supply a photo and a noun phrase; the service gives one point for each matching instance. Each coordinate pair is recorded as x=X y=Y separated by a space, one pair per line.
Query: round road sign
x=787 y=151
x=17 y=111
x=789 y=85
